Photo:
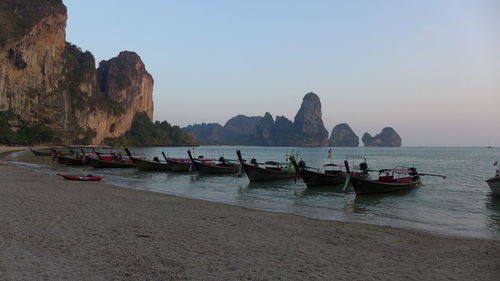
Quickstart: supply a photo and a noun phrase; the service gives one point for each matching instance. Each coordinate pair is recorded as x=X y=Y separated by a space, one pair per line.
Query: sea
x=460 y=205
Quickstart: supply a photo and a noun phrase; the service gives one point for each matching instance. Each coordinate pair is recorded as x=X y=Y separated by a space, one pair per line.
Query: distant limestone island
x=387 y=138
x=307 y=129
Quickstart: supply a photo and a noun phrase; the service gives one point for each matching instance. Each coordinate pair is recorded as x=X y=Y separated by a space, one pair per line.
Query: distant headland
x=307 y=129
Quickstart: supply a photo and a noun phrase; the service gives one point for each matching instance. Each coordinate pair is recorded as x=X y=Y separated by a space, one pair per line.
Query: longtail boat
x=76 y=159
x=222 y=166
x=147 y=165
x=268 y=171
x=389 y=180
x=179 y=164
x=71 y=160
x=333 y=175
x=41 y=153
x=183 y=164
x=119 y=163
x=114 y=160
x=494 y=182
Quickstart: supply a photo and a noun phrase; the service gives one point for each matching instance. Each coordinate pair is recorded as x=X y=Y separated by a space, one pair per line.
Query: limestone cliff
x=44 y=79
x=308 y=123
x=343 y=136
x=387 y=138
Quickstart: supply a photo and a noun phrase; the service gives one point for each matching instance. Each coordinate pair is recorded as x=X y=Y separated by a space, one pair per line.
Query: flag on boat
x=330 y=153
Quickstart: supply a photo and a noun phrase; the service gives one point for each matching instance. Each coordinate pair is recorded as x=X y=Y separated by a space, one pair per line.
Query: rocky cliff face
x=387 y=138
x=308 y=123
x=307 y=130
x=44 y=79
x=343 y=136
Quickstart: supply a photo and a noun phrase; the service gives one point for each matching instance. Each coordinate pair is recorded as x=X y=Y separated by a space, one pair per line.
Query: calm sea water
x=460 y=205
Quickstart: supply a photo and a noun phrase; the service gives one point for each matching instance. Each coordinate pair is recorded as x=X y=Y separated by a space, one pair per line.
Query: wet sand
x=52 y=229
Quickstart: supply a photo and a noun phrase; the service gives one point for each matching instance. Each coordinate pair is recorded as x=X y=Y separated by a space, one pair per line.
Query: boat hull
x=176 y=166
x=494 y=184
x=41 y=153
x=366 y=186
x=312 y=179
x=145 y=165
x=262 y=174
x=71 y=161
x=206 y=169
x=96 y=163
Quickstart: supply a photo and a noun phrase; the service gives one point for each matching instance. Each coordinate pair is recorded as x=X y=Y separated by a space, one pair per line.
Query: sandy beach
x=52 y=229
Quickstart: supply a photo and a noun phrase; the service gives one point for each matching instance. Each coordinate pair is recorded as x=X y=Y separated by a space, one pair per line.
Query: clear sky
x=428 y=68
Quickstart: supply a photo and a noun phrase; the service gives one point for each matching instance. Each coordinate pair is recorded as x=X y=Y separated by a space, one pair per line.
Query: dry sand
x=51 y=229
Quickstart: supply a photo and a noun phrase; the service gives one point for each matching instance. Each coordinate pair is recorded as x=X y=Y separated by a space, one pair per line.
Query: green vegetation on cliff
x=27 y=135
x=19 y=16
x=146 y=133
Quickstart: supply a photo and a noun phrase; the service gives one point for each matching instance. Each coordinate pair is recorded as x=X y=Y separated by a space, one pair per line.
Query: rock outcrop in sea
x=306 y=130
x=343 y=136
x=44 y=79
x=308 y=123
x=387 y=138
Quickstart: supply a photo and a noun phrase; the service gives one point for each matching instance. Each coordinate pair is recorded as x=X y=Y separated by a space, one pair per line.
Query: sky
x=429 y=68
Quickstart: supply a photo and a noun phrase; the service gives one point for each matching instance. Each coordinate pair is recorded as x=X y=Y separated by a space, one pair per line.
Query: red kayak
x=87 y=178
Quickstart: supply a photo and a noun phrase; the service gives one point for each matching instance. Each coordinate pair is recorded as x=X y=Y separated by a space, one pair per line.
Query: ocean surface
x=460 y=205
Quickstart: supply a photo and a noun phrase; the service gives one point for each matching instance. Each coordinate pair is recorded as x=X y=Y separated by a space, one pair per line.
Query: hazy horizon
x=429 y=69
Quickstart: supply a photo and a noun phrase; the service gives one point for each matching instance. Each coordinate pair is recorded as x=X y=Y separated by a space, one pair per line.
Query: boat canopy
x=396 y=171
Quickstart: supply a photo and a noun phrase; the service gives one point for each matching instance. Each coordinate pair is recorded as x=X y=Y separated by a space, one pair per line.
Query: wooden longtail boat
x=494 y=182
x=75 y=160
x=147 y=165
x=333 y=174
x=270 y=170
x=389 y=180
x=223 y=166
x=179 y=164
x=183 y=164
x=98 y=163
x=110 y=161
x=41 y=153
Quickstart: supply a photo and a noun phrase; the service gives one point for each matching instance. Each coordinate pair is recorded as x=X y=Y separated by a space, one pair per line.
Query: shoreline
x=39 y=168
x=80 y=230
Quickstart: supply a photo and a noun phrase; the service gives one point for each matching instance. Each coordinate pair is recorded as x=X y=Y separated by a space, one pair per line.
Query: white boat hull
x=494 y=184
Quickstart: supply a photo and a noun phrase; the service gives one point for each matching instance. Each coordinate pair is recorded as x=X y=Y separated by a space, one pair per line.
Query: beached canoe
x=85 y=178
